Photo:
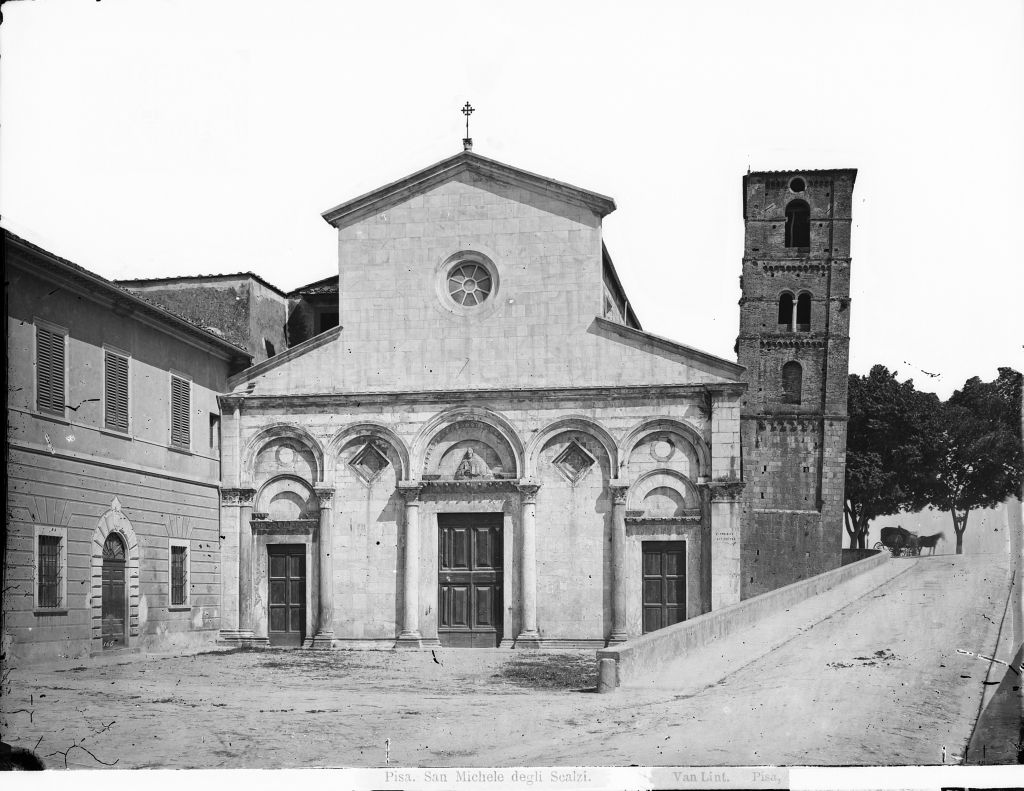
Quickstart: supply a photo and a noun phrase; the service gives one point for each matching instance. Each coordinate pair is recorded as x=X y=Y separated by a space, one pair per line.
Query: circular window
x=797 y=185
x=469 y=283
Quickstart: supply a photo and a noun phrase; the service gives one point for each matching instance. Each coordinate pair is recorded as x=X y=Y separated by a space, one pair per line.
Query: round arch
x=655 y=479
x=113 y=521
x=366 y=429
x=688 y=432
x=488 y=417
x=580 y=423
x=284 y=485
x=280 y=431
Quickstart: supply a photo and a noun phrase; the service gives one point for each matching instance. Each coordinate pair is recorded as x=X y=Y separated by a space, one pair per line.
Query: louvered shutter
x=49 y=371
x=116 y=392
x=180 y=412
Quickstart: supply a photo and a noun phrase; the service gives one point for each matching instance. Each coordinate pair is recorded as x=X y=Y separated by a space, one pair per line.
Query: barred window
x=181 y=412
x=115 y=391
x=49 y=572
x=179 y=575
x=50 y=363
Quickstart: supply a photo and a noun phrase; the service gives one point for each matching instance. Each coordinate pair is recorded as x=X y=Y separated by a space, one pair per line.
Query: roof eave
x=115 y=293
x=363 y=205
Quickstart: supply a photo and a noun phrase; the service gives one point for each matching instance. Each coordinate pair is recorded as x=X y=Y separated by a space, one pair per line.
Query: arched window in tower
x=786 y=312
x=798 y=224
x=792 y=382
x=803 y=313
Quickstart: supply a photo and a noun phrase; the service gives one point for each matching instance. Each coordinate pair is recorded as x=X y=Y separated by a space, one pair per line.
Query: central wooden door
x=287 y=599
x=664 y=584
x=114 y=633
x=470 y=578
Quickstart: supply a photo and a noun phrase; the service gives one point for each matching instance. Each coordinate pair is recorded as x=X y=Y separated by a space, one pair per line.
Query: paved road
x=878 y=682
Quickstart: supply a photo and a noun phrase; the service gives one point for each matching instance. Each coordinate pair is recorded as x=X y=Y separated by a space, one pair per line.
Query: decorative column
x=529 y=637
x=620 y=490
x=236 y=561
x=410 y=635
x=325 y=541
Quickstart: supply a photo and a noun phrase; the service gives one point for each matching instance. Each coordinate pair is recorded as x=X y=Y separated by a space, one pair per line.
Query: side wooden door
x=664 y=584
x=287 y=599
x=114 y=623
x=470 y=580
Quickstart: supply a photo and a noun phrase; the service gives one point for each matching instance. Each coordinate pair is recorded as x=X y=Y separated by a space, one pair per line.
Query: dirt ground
x=878 y=682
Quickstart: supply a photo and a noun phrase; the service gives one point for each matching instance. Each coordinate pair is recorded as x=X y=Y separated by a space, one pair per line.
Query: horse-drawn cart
x=899 y=542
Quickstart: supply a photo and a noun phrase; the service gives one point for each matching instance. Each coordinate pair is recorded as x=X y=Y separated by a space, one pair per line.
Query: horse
x=929 y=542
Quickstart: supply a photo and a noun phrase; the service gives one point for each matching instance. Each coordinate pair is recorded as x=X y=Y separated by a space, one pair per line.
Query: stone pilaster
x=236 y=564
x=410 y=635
x=619 y=490
x=529 y=637
x=325 y=542
x=726 y=520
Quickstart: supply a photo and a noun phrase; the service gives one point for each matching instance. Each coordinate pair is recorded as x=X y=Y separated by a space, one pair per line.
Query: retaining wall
x=621 y=664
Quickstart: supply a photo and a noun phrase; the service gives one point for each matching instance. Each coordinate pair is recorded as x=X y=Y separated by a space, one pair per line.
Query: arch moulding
x=366 y=429
x=685 y=430
x=440 y=422
x=280 y=431
x=578 y=423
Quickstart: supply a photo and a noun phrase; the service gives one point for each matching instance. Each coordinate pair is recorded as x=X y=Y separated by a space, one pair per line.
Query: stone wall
x=794 y=453
x=535 y=430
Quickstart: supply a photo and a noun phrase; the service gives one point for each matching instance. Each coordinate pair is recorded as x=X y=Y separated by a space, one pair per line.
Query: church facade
x=467 y=439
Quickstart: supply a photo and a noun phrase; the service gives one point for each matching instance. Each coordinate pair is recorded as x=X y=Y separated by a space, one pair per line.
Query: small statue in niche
x=472 y=466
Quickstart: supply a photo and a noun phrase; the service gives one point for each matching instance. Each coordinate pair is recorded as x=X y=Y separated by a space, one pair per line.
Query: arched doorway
x=113 y=595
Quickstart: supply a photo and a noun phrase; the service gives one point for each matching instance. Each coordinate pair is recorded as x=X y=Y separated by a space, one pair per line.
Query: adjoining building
x=112 y=530
x=467 y=438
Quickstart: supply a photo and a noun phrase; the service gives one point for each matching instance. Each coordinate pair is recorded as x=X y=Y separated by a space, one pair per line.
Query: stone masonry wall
x=794 y=454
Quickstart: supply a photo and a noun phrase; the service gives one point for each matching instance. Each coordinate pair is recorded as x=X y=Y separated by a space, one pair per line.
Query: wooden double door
x=286 y=579
x=664 y=584
x=470 y=580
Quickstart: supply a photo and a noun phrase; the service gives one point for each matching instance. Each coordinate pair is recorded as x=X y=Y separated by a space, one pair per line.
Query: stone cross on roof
x=467 y=141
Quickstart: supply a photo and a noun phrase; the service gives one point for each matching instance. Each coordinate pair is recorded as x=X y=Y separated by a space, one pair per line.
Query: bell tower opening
x=798 y=224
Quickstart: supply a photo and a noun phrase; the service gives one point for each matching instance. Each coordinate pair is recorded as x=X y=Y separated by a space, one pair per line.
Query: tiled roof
x=185 y=278
x=327 y=285
x=120 y=292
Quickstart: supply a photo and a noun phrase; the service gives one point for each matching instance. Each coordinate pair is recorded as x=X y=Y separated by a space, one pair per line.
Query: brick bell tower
x=794 y=341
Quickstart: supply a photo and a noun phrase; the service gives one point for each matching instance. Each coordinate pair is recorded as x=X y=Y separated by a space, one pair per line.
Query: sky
x=153 y=138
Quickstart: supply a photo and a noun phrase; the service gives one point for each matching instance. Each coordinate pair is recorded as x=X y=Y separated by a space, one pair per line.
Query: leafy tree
x=980 y=459
x=889 y=449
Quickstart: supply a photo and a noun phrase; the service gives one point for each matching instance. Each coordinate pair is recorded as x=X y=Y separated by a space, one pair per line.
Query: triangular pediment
x=464 y=162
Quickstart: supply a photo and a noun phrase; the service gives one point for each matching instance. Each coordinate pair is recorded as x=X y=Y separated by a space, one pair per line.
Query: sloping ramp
x=694 y=654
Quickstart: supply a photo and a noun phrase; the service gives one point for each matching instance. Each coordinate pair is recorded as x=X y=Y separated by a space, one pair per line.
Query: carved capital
x=725 y=491
x=325 y=496
x=411 y=491
x=620 y=491
x=237 y=496
x=528 y=492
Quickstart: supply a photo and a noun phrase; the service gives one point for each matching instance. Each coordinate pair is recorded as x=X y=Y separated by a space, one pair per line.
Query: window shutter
x=181 y=409
x=49 y=371
x=116 y=391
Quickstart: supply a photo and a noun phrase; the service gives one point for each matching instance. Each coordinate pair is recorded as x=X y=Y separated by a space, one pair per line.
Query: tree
x=980 y=459
x=889 y=448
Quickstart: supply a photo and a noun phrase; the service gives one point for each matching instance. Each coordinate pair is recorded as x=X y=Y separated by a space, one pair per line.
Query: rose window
x=469 y=284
